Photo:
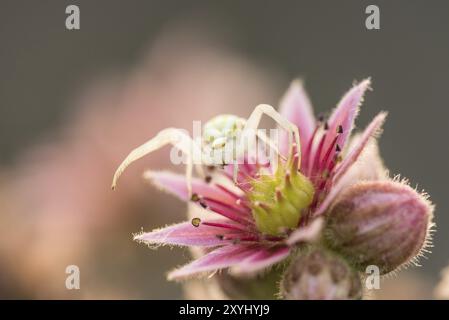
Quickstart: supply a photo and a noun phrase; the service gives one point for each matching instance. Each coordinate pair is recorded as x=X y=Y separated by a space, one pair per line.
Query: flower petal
x=220 y=258
x=213 y=197
x=241 y=215
x=185 y=234
x=295 y=106
x=177 y=185
x=372 y=130
x=244 y=259
x=309 y=233
x=247 y=169
x=369 y=165
x=342 y=119
x=262 y=259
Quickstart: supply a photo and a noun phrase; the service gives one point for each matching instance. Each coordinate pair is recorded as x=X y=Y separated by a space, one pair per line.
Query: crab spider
x=218 y=132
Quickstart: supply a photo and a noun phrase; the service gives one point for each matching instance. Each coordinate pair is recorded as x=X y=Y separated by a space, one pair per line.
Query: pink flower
x=261 y=220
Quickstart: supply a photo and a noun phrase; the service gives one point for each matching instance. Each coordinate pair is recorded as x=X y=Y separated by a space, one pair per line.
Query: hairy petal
x=263 y=258
x=372 y=130
x=234 y=213
x=345 y=114
x=185 y=234
x=309 y=233
x=340 y=183
x=220 y=258
x=368 y=167
x=296 y=107
x=176 y=184
x=242 y=258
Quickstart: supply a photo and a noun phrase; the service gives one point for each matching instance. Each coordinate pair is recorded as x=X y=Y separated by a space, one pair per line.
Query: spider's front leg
x=268 y=141
x=173 y=136
x=249 y=131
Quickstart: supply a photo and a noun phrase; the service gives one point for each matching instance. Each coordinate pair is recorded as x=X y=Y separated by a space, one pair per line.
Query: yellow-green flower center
x=278 y=199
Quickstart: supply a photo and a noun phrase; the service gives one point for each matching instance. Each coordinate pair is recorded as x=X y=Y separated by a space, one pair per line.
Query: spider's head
x=221 y=130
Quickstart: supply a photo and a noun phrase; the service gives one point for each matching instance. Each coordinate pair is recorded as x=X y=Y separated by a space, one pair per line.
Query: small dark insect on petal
x=208 y=179
x=220 y=236
x=196 y=222
x=337 y=148
x=326 y=126
x=340 y=129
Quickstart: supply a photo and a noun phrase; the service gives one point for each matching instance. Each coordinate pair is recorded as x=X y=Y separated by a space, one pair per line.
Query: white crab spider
x=218 y=132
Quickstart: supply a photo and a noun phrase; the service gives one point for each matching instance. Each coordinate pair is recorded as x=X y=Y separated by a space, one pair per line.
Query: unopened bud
x=382 y=223
x=320 y=274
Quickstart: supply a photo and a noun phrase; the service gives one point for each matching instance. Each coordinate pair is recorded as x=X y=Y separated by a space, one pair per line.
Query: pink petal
x=262 y=259
x=246 y=170
x=220 y=258
x=309 y=233
x=345 y=114
x=217 y=199
x=330 y=197
x=177 y=185
x=372 y=130
x=242 y=258
x=353 y=155
x=241 y=215
x=368 y=167
x=296 y=107
x=185 y=234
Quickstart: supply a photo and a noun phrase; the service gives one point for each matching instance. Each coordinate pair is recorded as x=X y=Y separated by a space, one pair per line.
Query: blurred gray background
x=43 y=67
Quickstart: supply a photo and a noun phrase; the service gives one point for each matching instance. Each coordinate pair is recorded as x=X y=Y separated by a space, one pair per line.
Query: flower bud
x=319 y=274
x=263 y=286
x=383 y=223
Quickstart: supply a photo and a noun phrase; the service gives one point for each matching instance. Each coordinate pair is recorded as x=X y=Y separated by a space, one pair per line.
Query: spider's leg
x=254 y=119
x=272 y=145
x=262 y=136
x=235 y=170
x=173 y=136
x=204 y=158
